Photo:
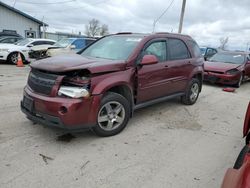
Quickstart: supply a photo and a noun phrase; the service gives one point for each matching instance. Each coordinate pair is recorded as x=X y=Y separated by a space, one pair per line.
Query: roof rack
x=172 y=34
x=124 y=33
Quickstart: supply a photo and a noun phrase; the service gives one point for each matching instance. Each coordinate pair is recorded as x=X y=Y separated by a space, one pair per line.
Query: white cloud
x=206 y=21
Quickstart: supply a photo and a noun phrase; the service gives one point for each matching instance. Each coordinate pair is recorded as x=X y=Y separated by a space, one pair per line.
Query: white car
x=9 y=52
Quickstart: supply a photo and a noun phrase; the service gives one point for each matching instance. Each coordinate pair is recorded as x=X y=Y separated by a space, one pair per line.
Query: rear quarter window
x=195 y=48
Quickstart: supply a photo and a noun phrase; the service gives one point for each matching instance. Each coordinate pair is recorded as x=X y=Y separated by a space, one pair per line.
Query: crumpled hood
x=219 y=66
x=70 y=62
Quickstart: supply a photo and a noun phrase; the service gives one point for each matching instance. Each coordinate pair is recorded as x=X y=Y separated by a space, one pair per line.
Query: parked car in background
x=208 y=52
x=9 y=52
x=9 y=34
x=239 y=175
x=228 y=68
x=63 y=46
x=10 y=39
x=69 y=45
x=101 y=86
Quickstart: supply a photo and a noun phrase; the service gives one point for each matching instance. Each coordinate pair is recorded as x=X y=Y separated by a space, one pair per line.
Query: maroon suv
x=103 y=84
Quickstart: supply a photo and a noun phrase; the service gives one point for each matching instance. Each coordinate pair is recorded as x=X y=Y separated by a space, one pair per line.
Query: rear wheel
x=192 y=92
x=113 y=115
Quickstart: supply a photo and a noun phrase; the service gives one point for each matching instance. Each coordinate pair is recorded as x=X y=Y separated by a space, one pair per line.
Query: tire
x=240 y=159
x=12 y=58
x=113 y=115
x=192 y=92
x=240 y=80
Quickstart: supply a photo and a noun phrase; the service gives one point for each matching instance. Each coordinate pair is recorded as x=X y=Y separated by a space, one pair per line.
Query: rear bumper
x=221 y=78
x=76 y=113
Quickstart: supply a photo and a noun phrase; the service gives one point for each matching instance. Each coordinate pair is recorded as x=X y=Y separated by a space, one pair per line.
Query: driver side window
x=158 y=49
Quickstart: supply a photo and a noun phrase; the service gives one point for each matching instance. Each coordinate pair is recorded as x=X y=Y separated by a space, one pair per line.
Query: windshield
x=64 y=42
x=203 y=51
x=228 y=58
x=23 y=42
x=113 y=47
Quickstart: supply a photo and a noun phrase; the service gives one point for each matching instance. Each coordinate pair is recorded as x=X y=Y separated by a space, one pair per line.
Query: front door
x=152 y=79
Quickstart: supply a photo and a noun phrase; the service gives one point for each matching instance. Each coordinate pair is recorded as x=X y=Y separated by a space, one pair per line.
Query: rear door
x=153 y=80
x=180 y=64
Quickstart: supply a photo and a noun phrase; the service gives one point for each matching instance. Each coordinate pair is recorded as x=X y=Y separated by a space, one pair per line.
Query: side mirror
x=149 y=60
x=72 y=47
x=30 y=45
x=248 y=62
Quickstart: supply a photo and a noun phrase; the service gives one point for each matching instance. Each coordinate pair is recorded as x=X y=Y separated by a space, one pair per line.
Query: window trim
x=147 y=44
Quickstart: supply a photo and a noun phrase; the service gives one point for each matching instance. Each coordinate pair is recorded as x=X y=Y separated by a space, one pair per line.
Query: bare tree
x=104 y=30
x=223 y=42
x=93 y=28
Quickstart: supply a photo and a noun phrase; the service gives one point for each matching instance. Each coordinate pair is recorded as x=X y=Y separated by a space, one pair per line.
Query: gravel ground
x=165 y=145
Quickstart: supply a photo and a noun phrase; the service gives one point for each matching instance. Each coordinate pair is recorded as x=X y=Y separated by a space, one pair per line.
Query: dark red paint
x=145 y=82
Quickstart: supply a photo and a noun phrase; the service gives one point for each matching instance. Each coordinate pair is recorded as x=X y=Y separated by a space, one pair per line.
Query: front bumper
x=221 y=78
x=4 y=55
x=65 y=113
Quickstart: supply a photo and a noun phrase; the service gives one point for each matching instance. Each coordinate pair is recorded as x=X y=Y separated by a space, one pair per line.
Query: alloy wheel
x=111 y=115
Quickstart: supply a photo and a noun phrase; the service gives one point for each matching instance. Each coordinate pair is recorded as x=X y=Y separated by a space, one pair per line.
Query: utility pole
x=182 y=15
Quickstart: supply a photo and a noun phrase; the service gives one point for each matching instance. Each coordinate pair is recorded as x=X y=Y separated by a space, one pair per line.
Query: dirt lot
x=165 y=145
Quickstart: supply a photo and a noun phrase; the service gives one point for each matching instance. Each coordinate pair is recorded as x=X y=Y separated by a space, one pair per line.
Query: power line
x=164 y=12
x=35 y=3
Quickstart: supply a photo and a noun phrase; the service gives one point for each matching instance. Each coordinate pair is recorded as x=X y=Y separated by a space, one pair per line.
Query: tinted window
x=42 y=43
x=195 y=48
x=89 y=41
x=79 y=43
x=177 y=50
x=158 y=49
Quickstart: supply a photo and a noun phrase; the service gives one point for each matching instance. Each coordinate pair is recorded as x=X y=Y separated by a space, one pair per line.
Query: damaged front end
x=73 y=84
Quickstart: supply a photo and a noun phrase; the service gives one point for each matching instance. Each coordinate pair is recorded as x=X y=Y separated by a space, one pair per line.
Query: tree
x=93 y=28
x=223 y=42
x=104 y=30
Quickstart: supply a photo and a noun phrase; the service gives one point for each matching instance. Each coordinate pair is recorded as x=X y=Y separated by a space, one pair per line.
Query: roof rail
x=173 y=34
x=124 y=33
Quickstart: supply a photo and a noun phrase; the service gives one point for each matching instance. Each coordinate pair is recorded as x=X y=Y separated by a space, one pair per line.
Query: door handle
x=166 y=66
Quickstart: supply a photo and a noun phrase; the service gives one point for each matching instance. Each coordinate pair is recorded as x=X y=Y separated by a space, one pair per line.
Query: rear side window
x=177 y=49
x=195 y=48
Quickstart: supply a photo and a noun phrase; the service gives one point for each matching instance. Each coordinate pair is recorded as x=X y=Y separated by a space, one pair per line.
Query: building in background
x=16 y=21
x=60 y=35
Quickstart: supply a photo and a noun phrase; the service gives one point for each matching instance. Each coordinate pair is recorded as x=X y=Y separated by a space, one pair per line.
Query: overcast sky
x=206 y=21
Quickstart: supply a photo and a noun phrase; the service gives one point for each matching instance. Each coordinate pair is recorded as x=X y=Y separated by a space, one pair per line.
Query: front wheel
x=240 y=81
x=13 y=57
x=113 y=115
x=192 y=92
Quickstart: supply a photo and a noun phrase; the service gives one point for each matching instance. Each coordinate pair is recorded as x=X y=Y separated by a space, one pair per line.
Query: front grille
x=41 y=82
x=217 y=72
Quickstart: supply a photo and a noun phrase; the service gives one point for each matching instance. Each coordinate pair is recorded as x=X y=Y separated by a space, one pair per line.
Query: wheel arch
x=199 y=76
x=125 y=91
x=23 y=57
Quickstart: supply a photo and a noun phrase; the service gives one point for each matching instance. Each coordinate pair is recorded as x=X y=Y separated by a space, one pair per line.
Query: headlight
x=4 y=50
x=73 y=92
x=232 y=71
